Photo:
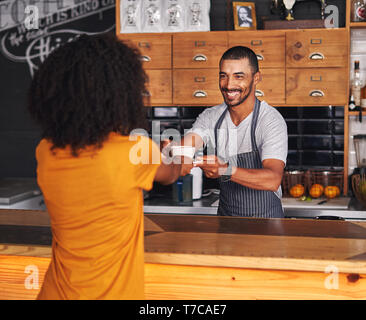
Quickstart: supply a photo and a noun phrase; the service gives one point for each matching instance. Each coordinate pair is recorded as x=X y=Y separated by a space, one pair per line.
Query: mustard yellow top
x=95 y=203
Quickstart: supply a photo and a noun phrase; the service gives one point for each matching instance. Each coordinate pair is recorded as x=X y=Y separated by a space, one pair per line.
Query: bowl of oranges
x=312 y=184
x=293 y=183
x=327 y=184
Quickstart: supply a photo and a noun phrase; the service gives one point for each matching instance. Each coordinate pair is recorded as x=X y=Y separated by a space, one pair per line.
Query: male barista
x=249 y=139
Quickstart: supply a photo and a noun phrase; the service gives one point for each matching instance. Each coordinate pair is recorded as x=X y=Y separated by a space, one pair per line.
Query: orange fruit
x=331 y=192
x=316 y=190
x=297 y=190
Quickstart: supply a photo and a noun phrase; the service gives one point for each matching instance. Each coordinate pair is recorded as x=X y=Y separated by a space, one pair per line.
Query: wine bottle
x=356 y=84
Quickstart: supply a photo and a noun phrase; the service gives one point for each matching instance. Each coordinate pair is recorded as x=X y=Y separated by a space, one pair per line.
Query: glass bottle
x=351 y=104
x=356 y=84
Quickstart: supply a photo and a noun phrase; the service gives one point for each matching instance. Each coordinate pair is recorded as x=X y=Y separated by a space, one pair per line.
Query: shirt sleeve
x=148 y=164
x=201 y=126
x=274 y=138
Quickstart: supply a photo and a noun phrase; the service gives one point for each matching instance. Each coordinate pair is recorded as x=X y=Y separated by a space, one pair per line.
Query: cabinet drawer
x=155 y=49
x=324 y=48
x=198 y=49
x=159 y=87
x=272 y=87
x=326 y=86
x=196 y=87
x=269 y=46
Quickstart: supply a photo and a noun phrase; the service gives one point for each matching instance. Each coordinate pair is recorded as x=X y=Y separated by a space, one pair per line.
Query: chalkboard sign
x=25 y=42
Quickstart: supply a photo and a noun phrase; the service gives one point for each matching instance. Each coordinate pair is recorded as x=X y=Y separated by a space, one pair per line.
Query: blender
x=359 y=142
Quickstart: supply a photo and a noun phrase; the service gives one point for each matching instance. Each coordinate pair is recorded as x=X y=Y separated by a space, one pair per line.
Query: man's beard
x=242 y=99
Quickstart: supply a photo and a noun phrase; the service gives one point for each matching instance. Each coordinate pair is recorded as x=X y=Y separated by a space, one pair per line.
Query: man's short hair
x=241 y=52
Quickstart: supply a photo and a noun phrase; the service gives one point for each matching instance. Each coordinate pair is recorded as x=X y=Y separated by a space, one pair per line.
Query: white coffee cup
x=185 y=151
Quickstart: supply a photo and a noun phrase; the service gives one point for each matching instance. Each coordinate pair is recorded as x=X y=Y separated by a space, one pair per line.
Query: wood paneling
x=159 y=87
x=189 y=282
x=204 y=257
x=268 y=45
x=21 y=277
x=155 y=48
x=196 y=87
x=272 y=86
x=198 y=49
x=316 y=48
x=317 y=86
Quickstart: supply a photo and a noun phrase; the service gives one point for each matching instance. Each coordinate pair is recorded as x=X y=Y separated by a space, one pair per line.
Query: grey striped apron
x=238 y=200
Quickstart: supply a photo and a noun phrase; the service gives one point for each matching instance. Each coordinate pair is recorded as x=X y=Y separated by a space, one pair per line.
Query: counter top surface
x=347 y=208
x=286 y=244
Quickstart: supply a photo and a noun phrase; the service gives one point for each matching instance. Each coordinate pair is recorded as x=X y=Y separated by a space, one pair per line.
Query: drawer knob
x=144 y=44
x=259 y=93
x=316 y=41
x=200 y=94
x=316 y=78
x=297 y=57
x=199 y=79
x=316 y=93
x=316 y=56
x=199 y=57
x=145 y=58
x=256 y=42
x=298 y=44
x=200 y=43
x=260 y=57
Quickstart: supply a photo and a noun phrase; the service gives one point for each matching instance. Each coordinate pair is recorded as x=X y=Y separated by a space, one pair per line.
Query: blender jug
x=359 y=141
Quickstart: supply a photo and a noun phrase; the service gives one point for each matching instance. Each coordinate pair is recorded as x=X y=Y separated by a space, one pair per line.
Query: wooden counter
x=208 y=257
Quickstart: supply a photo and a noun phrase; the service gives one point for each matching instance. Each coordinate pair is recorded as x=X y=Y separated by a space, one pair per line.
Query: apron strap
x=217 y=126
x=257 y=106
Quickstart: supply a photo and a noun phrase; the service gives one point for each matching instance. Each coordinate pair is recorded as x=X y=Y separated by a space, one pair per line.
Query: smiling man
x=250 y=139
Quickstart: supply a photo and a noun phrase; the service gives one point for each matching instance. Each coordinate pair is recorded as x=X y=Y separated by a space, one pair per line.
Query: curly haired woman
x=87 y=98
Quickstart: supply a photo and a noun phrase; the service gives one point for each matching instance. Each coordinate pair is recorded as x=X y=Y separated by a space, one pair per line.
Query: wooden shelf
x=355 y=25
x=355 y=113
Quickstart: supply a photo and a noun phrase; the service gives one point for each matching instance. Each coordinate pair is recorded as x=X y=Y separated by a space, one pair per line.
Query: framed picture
x=244 y=16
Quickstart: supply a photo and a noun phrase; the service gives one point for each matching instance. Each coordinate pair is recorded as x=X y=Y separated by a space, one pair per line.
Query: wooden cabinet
x=269 y=46
x=272 y=86
x=196 y=87
x=198 y=49
x=156 y=54
x=318 y=86
x=319 y=48
x=155 y=49
x=316 y=71
x=159 y=87
x=298 y=67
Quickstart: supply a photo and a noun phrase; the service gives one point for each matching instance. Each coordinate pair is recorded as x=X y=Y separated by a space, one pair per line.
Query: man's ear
x=257 y=78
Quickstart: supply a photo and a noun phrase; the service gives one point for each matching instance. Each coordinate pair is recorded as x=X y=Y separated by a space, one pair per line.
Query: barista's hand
x=212 y=166
x=187 y=165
